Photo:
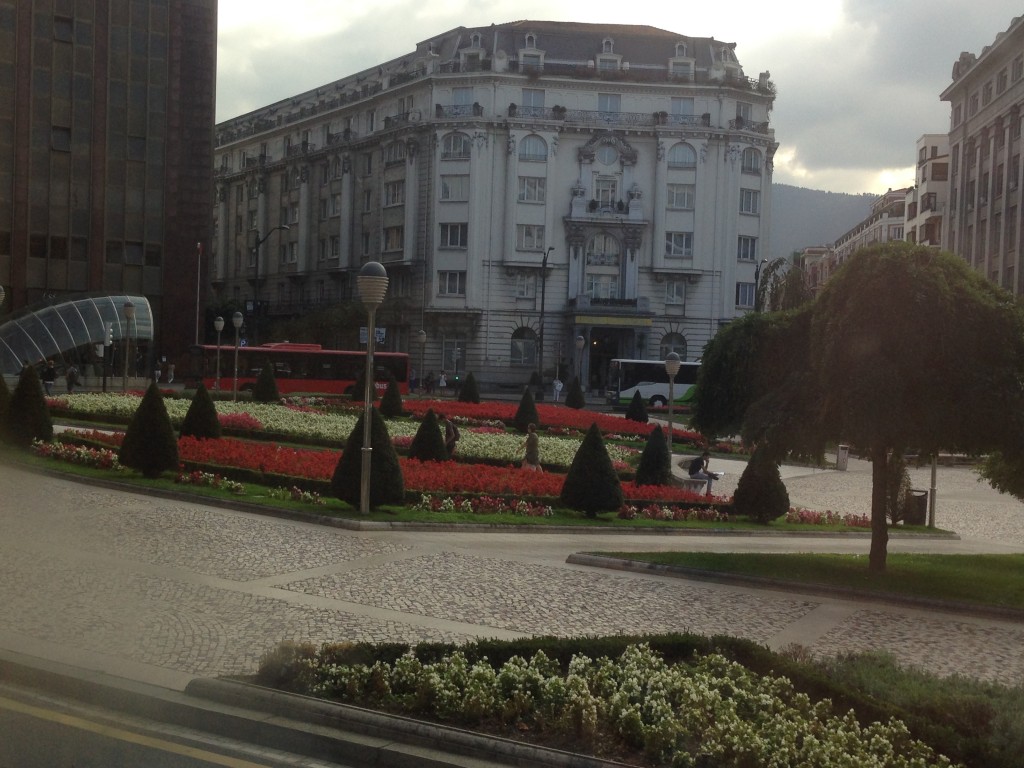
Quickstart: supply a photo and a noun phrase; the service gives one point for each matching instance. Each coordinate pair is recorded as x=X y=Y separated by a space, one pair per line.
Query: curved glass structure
x=59 y=331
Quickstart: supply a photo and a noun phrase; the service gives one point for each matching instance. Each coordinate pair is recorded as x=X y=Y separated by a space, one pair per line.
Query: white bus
x=649 y=378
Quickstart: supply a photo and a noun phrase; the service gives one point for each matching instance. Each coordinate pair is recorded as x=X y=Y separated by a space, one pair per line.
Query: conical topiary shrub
x=428 y=444
x=28 y=418
x=201 y=419
x=149 y=443
x=470 y=392
x=265 y=389
x=391 y=406
x=575 y=398
x=760 y=493
x=527 y=412
x=637 y=410
x=592 y=486
x=386 y=483
x=655 y=467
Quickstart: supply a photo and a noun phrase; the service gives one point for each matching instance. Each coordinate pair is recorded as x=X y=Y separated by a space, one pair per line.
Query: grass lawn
x=990 y=580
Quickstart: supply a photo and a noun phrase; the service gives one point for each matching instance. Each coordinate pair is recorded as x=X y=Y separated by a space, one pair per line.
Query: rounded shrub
x=527 y=412
x=428 y=444
x=637 y=410
x=28 y=418
x=149 y=443
x=760 y=493
x=575 y=398
x=592 y=485
x=391 y=405
x=386 y=483
x=265 y=389
x=655 y=467
x=201 y=419
x=470 y=391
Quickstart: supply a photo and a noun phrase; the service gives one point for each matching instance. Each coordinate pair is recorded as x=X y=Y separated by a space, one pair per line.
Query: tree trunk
x=879 y=521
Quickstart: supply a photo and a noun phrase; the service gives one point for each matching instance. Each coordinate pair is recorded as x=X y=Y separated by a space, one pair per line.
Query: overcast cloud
x=858 y=80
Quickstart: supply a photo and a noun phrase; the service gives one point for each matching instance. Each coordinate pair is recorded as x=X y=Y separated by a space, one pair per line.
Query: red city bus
x=297 y=368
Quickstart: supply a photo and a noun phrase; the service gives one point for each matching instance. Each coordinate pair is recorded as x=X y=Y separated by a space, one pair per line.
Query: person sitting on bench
x=699 y=470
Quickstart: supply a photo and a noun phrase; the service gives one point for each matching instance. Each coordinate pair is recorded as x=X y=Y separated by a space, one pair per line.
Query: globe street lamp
x=543 y=292
x=129 y=315
x=421 y=338
x=580 y=344
x=372 y=284
x=236 y=320
x=256 y=282
x=218 y=326
x=672 y=363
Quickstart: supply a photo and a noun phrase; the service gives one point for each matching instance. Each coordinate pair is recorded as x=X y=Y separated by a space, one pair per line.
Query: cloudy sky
x=858 y=80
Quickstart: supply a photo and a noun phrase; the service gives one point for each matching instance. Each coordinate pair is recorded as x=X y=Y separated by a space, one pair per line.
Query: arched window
x=682 y=156
x=751 y=160
x=680 y=49
x=475 y=40
x=531 y=41
x=608 y=46
x=455 y=146
x=524 y=347
x=533 y=149
x=673 y=342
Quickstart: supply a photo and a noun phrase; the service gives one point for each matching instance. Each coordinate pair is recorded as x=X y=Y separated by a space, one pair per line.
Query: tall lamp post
x=129 y=315
x=580 y=344
x=256 y=282
x=543 y=296
x=757 y=284
x=372 y=283
x=421 y=339
x=672 y=363
x=218 y=326
x=236 y=320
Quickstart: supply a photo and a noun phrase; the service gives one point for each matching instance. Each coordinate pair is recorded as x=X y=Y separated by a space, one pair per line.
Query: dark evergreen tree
x=391 y=405
x=760 y=493
x=149 y=443
x=28 y=418
x=527 y=412
x=386 y=483
x=201 y=419
x=637 y=410
x=575 y=398
x=655 y=467
x=592 y=485
x=428 y=444
x=470 y=391
x=265 y=388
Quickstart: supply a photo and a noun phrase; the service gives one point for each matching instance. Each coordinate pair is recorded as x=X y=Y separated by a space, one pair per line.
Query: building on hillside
x=985 y=204
x=635 y=163
x=106 y=154
x=926 y=200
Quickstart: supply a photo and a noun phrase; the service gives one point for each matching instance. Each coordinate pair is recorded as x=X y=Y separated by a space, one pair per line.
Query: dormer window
x=531 y=41
x=608 y=46
x=680 y=49
x=474 y=40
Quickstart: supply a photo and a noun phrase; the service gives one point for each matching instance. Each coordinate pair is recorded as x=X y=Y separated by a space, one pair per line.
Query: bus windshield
x=650 y=379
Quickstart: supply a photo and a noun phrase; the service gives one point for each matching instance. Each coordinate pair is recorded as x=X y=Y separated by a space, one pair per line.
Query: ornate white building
x=634 y=162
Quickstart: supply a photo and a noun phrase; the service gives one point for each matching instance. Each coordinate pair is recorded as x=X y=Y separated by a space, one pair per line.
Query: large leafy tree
x=905 y=346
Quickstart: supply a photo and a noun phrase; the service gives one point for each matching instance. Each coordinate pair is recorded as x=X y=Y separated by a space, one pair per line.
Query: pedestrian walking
x=49 y=377
x=71 y=375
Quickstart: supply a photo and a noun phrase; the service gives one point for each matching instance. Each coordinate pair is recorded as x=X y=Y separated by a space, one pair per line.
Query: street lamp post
x=757 y=284
x=236 y=320
x=421 y=338
x=672 y=363
x=129 y=315
x=218 y=326
x=372 y=283
x=543 y=296
x=256 y=282
x=580 y=344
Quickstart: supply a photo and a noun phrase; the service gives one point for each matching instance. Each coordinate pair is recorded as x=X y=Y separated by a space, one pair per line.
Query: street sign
x=378 y=335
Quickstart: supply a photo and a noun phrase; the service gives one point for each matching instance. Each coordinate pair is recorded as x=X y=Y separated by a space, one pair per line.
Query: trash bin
x=916 y=512
x=842 y=457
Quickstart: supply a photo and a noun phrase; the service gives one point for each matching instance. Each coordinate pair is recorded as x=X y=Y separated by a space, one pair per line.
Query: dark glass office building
x=106 y=154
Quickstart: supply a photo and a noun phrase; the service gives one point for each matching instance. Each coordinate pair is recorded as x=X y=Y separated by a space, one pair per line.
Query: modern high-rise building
x=106 y=154
x=532 y=188
x=985 y=203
